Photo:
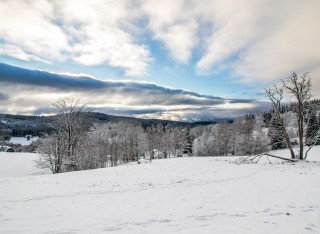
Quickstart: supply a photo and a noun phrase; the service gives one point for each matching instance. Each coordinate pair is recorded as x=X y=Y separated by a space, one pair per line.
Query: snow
x=22 y=140
x=19 y=164
x=180 y=195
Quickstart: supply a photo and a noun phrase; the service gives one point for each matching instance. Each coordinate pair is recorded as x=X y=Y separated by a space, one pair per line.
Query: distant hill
x=21 y=125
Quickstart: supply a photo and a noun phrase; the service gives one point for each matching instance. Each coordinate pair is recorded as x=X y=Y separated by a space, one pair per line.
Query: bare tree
x=245 y=144
x=156 y=140
x=260 y=135
x=300 y=89
x=50 y=150
x=151 y=138
x=204 y=144
x=223 y=137
x=275 y=95
x=71 y=126
x=116 y=143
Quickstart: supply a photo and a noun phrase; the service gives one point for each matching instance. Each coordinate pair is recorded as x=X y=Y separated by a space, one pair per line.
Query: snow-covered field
x=23 y=140
x=182 y=195
x=19 y=164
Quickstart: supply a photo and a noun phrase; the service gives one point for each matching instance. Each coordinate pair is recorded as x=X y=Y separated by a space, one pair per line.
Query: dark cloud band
x=114 y=97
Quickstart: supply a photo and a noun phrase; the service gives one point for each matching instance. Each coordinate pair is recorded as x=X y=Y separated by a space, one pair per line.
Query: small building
x=28 y=137
x=5 y=148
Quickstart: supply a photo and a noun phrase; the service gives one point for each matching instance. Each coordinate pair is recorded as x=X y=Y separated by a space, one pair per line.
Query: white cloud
x=71 y=74
x=253 y=40
x=235 y=25
x=293 y=45
x=315 y=76
x=28 y=25
x=171 y=24
x=105 y=38
x=262 y=40
x=89 y=32
x=17 y=52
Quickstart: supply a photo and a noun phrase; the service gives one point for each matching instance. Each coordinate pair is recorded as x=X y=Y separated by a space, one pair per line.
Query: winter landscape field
x=23 y=140
x=179 y=195
x=146 y=116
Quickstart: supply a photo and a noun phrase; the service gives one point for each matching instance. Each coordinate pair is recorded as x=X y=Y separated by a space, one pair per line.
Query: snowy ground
x=19 y=164
x=183 y=195
x=22 y=140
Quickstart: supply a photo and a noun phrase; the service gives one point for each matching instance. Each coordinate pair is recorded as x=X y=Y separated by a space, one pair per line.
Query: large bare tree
x=275 y=96
x=59 y=151
x=299 y=90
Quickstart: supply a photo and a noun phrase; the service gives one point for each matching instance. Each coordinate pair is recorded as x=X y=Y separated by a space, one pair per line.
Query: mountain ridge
x=20 y=125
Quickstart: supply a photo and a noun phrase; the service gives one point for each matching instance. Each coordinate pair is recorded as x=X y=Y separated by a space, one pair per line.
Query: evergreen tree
x=312 y=130
x=188 y=142
x=277 y=140
x=267 y=118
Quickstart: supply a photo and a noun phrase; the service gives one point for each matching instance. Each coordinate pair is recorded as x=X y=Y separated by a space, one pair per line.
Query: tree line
x=77 y=144
x=245 y=136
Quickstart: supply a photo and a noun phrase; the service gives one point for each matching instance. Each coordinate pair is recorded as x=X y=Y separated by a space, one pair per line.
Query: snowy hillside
x=182 y=195
x=23 y=140
x=19 y=164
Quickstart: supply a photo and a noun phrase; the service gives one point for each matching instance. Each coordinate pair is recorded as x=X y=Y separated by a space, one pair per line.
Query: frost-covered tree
x=204 y=144
x=312 y=136
x=313 y=128
x=299 y=90
x=70 y=129
x=276 y=135
x=187 y=142
x=260 y=135
x=112 y=144
x=223 y=136
x=245 y=136
x=156 y=141
x=244 y=141
x=168 y=141
x=50 y=151
x=275 y=96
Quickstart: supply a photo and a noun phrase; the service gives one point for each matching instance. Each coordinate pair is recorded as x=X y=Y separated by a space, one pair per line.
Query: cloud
x=170 y=23
x=28 y=25
x=207 y=113
x=291 y=46
x=16 y=52
x=248 y=40
x=33 y=92
x=262 y=40
x=88 y=32
x=136 y=91
x=251 y=40
x=235 y=25
x=3 y=97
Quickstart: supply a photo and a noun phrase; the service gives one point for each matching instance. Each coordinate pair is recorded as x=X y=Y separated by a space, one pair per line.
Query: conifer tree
x=312 y=130
x=188 y=143
x=275 y=133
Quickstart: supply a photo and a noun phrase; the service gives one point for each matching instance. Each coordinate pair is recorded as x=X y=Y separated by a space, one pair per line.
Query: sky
x=182 y=60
